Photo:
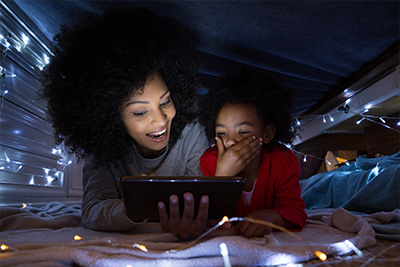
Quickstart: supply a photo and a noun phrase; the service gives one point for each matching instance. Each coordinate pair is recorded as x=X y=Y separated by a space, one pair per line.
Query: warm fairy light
x=23 y=205
x=77 y=237
x=320 y=255
x=3 y=247
x=225 y=219
x=141 y=247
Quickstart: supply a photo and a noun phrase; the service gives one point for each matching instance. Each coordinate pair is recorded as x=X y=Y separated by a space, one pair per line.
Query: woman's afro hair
x=100 y=63
x=273 y=102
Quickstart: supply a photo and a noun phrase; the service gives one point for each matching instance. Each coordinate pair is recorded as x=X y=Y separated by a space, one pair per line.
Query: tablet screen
x=141 y=194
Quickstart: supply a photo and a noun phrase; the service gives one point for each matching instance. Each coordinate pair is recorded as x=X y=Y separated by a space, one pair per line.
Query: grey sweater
x=102 y=206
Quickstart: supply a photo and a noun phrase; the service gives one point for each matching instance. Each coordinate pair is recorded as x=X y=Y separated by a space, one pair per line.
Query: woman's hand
x=233 y=160
x=185 y=225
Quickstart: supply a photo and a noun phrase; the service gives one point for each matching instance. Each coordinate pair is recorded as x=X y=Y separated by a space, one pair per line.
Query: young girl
x=121 y=92
x=249 y=117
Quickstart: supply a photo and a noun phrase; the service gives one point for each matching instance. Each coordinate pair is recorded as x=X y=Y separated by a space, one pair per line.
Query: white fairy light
x=25 y=39
x=225 y=254
x=382 y=120
x=331 y=118
x=46 y=59
x=359 y=121
x=323 y=119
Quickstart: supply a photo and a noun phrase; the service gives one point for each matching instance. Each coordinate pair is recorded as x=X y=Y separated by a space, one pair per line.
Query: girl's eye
x=243 y=132
x=166 y=103
x=220 y=133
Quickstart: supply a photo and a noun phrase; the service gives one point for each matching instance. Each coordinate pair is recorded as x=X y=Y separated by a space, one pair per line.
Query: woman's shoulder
x=194 y=131
x=193 y=135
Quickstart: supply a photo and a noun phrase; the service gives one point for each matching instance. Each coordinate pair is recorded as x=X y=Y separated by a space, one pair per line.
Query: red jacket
x=277 y=186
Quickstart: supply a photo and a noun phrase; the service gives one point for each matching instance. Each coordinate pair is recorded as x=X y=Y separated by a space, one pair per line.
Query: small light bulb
x=77 y=237
x=382 y=120
x=322 y=256
x=4 y=247
x=323 y=119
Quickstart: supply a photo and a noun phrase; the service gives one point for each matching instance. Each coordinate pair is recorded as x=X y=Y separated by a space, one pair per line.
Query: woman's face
x=236 y=122
x=148 y=116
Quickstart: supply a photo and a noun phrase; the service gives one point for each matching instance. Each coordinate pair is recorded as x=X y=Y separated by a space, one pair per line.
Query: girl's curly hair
x=102 y=62
x=273 y=102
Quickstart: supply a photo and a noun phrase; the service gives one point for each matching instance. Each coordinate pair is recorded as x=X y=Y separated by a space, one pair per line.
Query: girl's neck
x=251 y=172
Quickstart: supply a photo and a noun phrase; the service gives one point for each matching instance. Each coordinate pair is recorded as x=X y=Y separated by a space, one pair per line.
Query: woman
x=121 y=93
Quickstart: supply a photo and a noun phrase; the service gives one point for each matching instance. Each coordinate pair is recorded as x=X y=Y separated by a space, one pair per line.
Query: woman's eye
x=166 y=103
x=243 y=132
x=220 y=133
x=139 y=114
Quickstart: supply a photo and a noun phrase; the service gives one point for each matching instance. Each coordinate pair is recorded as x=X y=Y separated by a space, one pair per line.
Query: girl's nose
x=230 y=141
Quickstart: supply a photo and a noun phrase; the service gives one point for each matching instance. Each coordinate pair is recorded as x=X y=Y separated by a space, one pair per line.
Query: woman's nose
x=160 y=117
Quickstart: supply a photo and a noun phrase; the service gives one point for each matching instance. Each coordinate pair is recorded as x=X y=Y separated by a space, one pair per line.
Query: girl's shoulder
x=211 y=152
x=280 y=153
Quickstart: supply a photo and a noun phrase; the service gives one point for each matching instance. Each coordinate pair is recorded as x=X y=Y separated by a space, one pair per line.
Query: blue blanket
x=368 y=185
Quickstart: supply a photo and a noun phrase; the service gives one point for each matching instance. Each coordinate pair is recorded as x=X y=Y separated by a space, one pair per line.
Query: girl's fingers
x=220 y=145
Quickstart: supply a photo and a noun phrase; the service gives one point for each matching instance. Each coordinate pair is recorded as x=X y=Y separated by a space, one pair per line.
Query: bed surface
x=45 y=237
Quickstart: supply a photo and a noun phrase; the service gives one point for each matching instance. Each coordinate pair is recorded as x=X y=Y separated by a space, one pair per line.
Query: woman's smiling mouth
x=158 y=136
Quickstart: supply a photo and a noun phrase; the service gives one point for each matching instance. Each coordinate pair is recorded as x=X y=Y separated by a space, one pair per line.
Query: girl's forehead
x=237 y=111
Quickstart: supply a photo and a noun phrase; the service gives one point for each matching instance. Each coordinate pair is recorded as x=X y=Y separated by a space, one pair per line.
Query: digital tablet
x=141 y=194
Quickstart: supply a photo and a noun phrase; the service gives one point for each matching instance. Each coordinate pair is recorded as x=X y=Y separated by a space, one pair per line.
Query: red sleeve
x=288 y=201
x=208 y=161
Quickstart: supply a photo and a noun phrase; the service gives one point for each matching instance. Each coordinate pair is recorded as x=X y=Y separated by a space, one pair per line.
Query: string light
x=225 y=254
x=359 y=121
x=141 y=247
x=77 y=237
x=380 y=120
x=322 y=256
x=4 y=247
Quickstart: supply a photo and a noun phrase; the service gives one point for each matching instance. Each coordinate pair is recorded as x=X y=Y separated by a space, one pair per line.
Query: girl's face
x=236 y=122
x=148 y=116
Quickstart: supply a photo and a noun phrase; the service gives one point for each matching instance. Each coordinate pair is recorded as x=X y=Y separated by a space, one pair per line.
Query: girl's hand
x=249 y=229
x=185 y=225
x=233 y=160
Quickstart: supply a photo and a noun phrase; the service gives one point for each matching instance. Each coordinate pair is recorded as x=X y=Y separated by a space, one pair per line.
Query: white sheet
x=324 y=231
